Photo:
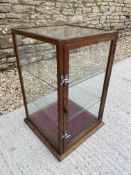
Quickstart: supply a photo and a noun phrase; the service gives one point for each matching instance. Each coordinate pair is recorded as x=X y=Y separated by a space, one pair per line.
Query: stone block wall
x=107 y=14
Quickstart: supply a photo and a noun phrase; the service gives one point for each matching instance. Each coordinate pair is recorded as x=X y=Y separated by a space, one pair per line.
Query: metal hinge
x=64 y=79
x=66 y=135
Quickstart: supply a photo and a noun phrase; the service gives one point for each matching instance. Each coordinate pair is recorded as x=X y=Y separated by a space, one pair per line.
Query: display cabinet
x=64 y=73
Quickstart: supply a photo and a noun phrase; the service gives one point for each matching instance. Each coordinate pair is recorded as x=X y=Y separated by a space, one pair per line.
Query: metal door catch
x=64 y=79
x=66 y=135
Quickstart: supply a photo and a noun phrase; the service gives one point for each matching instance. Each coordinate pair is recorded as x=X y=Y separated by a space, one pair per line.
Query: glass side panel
x=87 y=67
x=39 y=72
x=65 y=32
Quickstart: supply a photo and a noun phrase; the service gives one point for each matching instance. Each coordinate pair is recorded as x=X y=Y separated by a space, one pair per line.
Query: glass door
x=84 y=77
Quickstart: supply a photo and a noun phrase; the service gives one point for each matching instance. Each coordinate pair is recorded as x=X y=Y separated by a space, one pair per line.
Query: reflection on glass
x=87 y=67
x=39 y=72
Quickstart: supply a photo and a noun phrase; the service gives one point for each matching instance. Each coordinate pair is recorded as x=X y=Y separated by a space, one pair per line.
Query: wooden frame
x=62 y=49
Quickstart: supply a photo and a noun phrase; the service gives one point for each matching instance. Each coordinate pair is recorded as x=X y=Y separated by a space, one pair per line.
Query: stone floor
x=106 y=152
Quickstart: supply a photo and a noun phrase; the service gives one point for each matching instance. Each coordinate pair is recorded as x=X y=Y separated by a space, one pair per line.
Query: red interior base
x=46 y=121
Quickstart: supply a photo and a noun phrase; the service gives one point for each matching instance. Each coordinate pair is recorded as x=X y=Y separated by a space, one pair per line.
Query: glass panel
x=65 y=32
x=39 y=71
x=87 y=67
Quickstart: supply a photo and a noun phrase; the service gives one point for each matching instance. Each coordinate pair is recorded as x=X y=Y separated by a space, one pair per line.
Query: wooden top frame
x=97 y=34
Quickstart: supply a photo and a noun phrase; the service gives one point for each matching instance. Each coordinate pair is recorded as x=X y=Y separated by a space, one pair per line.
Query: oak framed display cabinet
x=64 y=73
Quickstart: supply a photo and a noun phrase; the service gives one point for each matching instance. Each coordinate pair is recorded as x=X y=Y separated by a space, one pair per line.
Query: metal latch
x=64 y=79
x=66 y=135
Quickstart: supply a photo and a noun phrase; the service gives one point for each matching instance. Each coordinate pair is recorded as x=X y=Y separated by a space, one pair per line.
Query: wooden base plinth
x=60 y=157
x=44 y=124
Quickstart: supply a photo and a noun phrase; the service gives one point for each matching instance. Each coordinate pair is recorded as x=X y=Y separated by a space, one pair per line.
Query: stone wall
x=107 y=14
x=34 y=51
